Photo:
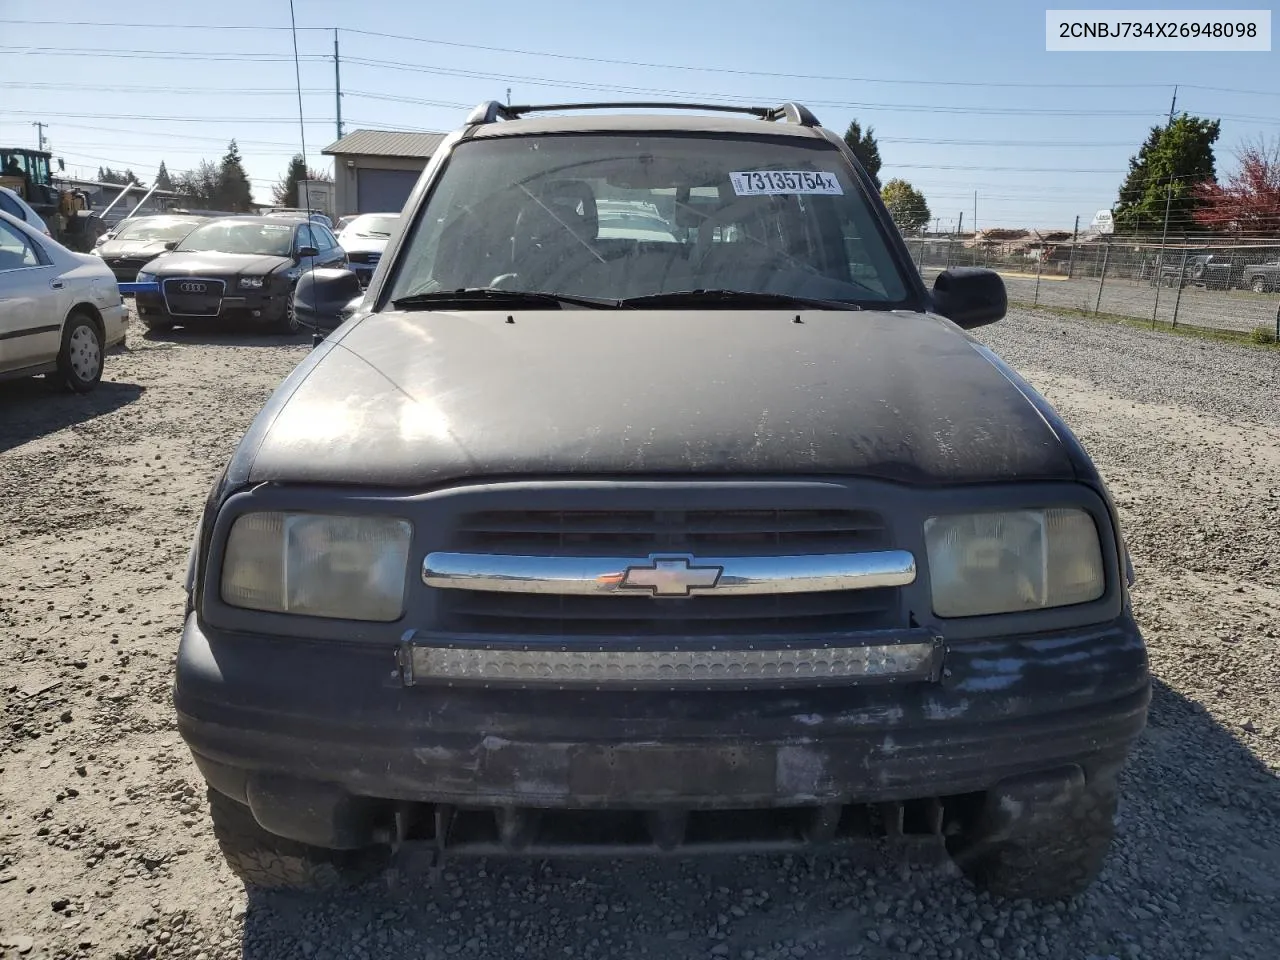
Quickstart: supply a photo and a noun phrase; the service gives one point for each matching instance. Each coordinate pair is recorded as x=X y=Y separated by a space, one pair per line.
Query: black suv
x=719 y=534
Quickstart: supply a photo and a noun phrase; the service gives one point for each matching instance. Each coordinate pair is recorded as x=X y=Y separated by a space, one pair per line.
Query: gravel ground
x=105 y=849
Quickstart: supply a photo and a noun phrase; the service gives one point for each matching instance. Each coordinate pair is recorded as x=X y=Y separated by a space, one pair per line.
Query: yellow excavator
x=67 y=213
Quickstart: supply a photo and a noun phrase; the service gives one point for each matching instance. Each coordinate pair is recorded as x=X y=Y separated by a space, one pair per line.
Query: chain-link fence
x=1224 y=287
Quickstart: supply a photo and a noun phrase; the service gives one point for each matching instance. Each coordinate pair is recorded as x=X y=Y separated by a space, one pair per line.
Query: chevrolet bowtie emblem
x=671 y=577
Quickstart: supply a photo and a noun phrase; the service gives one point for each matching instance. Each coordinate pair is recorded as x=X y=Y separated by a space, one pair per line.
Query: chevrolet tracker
x=716 y=532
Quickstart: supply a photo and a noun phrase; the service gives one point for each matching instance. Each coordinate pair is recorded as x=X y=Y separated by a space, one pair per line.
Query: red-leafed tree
x=1249 y=201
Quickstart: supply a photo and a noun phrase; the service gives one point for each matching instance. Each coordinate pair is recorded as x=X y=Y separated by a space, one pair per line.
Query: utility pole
x=39 y=132
x=508 y=96
x=1173 y=105
x=1075 y=236
x=337 y=83
x=975 y=212
x=1168 y=198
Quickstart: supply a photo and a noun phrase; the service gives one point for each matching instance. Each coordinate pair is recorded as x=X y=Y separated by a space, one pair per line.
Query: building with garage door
x=375 y=170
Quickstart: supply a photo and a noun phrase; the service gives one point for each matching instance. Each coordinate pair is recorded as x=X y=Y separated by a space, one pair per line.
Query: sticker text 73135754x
x=774 y=182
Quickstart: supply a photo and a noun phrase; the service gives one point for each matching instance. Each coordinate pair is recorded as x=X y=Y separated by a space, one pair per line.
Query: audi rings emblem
x=192 y=286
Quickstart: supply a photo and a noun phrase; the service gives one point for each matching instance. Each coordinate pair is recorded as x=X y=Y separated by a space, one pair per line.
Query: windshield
x=241 y=236
x=149 y=229
x=372 y=225
x=615 y=216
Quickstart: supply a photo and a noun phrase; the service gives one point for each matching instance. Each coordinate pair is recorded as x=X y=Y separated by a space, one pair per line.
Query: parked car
x=236 y=268
x=1206 y=270
x=341 y=223
x=135 y=242
x=15 y=206
x=364 y=239
x=564 y=541
x=1261 y=277
x=315 y=216
x=60 y=311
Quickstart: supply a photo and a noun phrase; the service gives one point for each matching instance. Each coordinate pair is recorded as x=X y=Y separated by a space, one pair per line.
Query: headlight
x=252 y=283
x=144 y=277
x=1011 y=561
x=351 y=568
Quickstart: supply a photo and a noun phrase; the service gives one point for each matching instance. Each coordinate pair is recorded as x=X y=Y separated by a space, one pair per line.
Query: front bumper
x=264 y=306
x=326 y=742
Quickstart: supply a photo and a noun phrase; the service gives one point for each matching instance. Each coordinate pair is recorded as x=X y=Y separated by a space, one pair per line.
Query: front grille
x=641 y=532
x=125 y=268
x=638 y=533
x=363 y=257
x=181 y=298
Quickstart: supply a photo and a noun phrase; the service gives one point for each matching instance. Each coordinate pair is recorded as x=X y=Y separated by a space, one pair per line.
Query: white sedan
x=59 y=311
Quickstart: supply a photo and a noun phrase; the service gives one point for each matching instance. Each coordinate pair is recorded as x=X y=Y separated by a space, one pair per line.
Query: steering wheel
x=503 y=281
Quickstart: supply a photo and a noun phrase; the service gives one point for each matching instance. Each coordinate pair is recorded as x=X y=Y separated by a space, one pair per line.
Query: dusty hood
x=413 y=399
x=208 y=264
x=131 y=249
x=356 y=243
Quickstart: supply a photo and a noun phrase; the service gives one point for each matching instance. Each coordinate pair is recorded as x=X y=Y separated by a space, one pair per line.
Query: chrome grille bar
x=668 y=575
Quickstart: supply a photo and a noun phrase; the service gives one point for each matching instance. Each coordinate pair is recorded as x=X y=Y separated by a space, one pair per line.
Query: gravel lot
x=1240 y=310
x=104 y=845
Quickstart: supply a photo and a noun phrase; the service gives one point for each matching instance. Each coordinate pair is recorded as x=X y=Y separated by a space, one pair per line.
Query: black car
x=135 y=242
x=236 y=268
x=728 y=538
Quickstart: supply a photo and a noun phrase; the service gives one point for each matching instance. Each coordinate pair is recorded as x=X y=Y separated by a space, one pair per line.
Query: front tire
x=81 y=355
x=262 y=859
x=289 y=323
x=1259 y=285
x=1055 y=861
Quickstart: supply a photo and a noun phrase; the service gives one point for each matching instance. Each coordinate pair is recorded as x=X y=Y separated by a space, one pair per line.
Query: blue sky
x=1053 y=130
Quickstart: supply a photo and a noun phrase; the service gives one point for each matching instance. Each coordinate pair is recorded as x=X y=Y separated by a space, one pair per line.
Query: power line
x=152 y=90
x=118 y=54
x=185 y=136
x=151 y=118
x=913 y=81
x=579 y=58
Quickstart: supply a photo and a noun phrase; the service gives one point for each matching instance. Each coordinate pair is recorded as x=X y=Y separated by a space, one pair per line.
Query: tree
x=199 y=185
x=1250 y=200
x=107 y=175
x=233 y=192
x=906 y=205
x=1167 y=169
x=163 y=181
x=285 y=192
x=865 y=148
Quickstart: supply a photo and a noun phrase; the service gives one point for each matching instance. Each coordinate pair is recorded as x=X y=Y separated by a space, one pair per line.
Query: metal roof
x=385 y=143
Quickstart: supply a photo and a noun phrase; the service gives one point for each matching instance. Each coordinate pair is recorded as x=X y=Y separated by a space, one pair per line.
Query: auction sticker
x=773 y=182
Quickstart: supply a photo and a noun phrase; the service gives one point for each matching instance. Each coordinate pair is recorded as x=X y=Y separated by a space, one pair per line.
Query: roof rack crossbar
x=492 y=110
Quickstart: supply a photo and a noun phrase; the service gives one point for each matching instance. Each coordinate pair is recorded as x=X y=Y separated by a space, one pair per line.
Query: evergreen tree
x=1173 y=161
x=233 y=193
x=865 y=148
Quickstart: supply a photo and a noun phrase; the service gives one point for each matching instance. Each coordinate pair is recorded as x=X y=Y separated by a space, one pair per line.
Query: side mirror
x=970 y=296
x=308 y=252
x=171 y=245
x=322 y=297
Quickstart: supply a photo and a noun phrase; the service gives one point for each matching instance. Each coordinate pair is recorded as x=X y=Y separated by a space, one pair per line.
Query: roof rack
x=492 y=110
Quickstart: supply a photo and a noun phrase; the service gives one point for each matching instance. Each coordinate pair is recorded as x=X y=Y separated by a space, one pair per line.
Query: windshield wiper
x=495 y=296
x=734 y=298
